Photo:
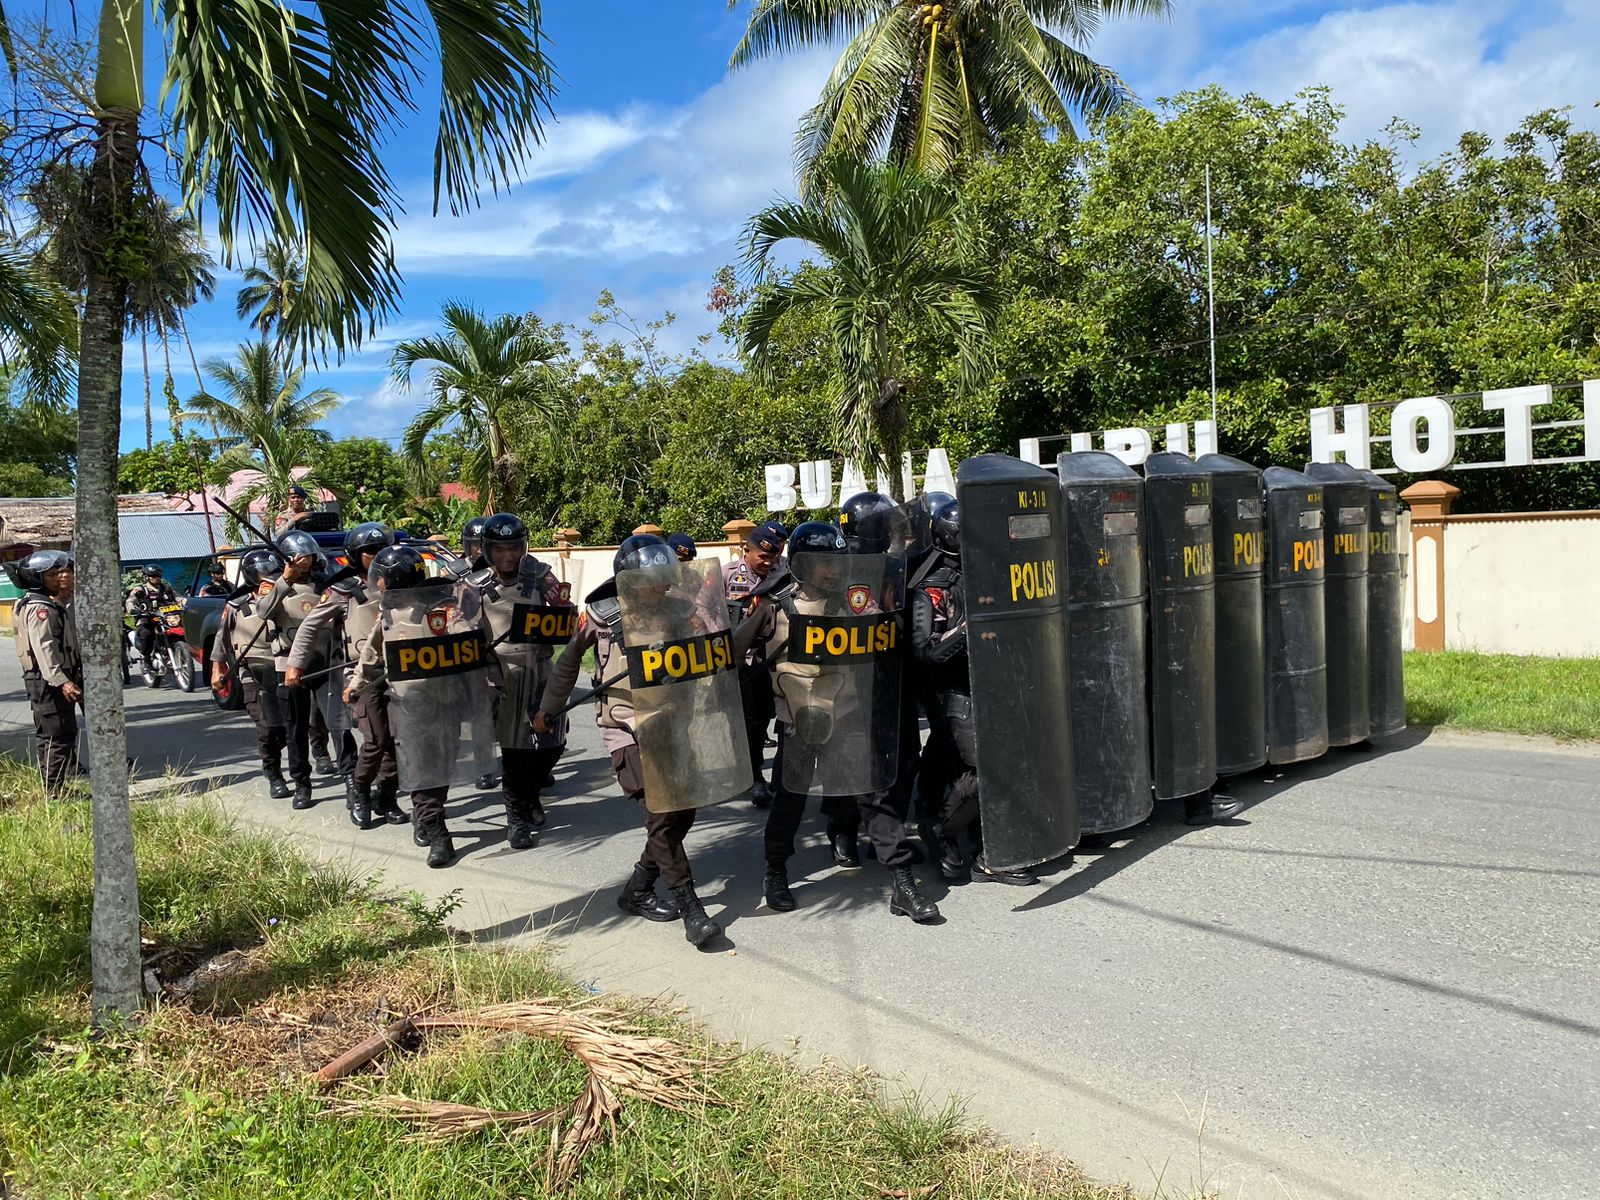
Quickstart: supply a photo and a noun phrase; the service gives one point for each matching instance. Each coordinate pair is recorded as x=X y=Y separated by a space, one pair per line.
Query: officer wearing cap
x=52 y=672
x=299 y=510
x=683 y=546
x=757 y=579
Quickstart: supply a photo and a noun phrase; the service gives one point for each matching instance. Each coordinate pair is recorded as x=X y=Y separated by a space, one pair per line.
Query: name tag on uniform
x=675 y=662
x=542 y=625
x=432 y=658
x=825 y=641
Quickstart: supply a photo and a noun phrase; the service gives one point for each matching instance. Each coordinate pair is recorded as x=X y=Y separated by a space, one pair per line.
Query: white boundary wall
x=1522 y=583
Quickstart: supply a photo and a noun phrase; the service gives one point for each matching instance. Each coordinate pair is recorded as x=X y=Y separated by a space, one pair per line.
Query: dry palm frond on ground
x=621 y=1062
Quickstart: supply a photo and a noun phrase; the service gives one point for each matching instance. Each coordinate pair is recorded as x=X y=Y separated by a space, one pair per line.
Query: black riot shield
x=1106 y=631
x=434 y=654
x=1346 y=506
x=1297 y=662
x=1183 y=643
x=1012 y=559
x=682 y=675
x=526 y=633
x=839 y=677
x=1239 y=535
x=1386 y=595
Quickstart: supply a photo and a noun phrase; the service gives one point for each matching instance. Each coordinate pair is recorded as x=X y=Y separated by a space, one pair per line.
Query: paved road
x=1380 y=982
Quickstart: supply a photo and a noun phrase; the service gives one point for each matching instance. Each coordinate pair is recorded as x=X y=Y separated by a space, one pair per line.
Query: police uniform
x=284 y=606
x=524 y=656
x=47 y=645
x=145 y=600
x=334 y=633
x=947 y=781
x=244 y=645
x=747 y=592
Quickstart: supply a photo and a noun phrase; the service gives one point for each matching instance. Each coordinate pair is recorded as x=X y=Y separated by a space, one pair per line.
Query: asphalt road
x=1380 y=982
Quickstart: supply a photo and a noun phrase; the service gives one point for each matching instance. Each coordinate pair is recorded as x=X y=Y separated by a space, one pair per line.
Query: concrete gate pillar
x=1430 y=501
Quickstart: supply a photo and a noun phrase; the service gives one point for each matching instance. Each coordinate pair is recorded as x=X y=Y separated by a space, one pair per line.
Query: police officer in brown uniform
x=283 y=604
x=529 y=613
x=52 y=672
x=332 y=638
x=751 y=582
x=243 y=648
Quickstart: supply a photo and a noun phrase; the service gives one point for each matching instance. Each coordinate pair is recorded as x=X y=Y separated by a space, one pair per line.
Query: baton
x=585 y=697
x=348 y=662
x=245 y=523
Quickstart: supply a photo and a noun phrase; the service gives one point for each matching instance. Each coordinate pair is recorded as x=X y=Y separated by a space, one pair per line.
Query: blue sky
x=658 y=156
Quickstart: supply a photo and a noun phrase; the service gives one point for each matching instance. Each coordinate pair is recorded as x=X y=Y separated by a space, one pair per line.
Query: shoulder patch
x=859 y=597
x=40 y=613
x=264 y=588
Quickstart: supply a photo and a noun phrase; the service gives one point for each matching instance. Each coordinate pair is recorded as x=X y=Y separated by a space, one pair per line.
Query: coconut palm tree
x=933 y=85
x=897 y=258
x=179 y=276
x=270 y=299
x=256 y=398
x=38 y=331
x=274 y=112
x=279 y=456
x=481 y=372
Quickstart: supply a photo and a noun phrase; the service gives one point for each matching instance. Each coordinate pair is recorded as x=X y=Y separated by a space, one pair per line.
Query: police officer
x=283 y=604
x=599 y=629
x=472 y=542
x=52 y=672
x=217 y=582
x=948 y=781
x=683 y=546
x=750 y=583
x=333 y=637
x=243 y=648
x=802 y=686
x=144 y=599
x=523 y=588
x=299 y=509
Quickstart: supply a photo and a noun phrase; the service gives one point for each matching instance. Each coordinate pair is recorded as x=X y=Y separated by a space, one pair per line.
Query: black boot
x=907 y=901
x=761 y=794
x=951 y=863
x=488 y=781
x=1018 y=878
x=1206 y=808
x=519 y=829
x=388 y=806
x=638 y=896
x=536 y=813
x=775 y=887
x=698 y=928
x=844 y=850
x=302 y=794
x=277 y=786
x=322 y=763
x=441 y=850
x=358 y=802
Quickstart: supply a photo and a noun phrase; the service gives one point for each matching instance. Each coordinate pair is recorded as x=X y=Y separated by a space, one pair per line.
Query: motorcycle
x=169 y=654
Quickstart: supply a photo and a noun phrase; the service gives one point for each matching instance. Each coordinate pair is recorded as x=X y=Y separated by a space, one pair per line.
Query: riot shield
x=525 y=633
x=1012 y=562
x=274 y=713
x=1297 y=663
x=434 y=653
x=1346 y=506
x=1106 y=615
x=688 y=717
x=1238 y=532
x=1183 y=650
x=1386 y=597
x=840 y=674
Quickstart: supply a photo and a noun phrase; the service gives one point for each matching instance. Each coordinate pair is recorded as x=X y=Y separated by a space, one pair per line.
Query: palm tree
x=275 y=112
x=270 y=299
x=179 y=276
x=38 y=331
x=259 y=398
x=934 y=85
x=898 y=259
x=276 y=454
x=481 y=371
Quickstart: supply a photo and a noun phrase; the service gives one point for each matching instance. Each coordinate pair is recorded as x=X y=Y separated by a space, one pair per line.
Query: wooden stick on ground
x=374 y=1047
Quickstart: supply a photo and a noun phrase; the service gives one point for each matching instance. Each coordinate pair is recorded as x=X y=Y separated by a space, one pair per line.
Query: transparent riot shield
x=688 y=717
x=434 y=652
x=526 y=631
x=274 y=715
x=840 y=674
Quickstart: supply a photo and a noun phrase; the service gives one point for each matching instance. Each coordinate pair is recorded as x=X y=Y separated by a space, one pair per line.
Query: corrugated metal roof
x=158 y=536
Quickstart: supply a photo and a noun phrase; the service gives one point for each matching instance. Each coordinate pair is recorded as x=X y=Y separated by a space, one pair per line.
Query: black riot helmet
x=258 y=565
x=809 y=541
x=945 y=515
x=297 y=542
x=152 y=571
x=367 y=538
x=871 y=523
x=504 y=531
x=397 y=567
x=472 y=539
x=30 y=572
x=643 y=550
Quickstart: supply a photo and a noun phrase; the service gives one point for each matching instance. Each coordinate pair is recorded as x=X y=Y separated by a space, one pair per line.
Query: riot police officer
x=217 y=582
x=243 y=649
x=664 y=857
x=52 y=672
x=284 y=603
x=144 y=599
x=750 y=582
x=530 y=613
x=472 y=542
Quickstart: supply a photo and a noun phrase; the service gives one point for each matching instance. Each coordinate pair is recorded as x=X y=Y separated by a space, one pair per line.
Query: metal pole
x=1211 y=301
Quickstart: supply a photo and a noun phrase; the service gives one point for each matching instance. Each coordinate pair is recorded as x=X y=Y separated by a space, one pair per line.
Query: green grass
x=211 y=1099
x=1557 y=697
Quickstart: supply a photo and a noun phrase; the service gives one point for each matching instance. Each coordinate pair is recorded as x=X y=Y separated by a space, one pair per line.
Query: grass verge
x=1555 y=697
x=209 y=1096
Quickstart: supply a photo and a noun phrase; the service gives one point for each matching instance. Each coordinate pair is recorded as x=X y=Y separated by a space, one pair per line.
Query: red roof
x=457 y=491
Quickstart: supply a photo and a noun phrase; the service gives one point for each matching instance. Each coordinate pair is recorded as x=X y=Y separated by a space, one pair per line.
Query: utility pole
x=1211 y=301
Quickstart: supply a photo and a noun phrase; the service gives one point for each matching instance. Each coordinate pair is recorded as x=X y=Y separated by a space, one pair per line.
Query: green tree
x=898 y=259
x=483 y=372
x=367 y=476
x=170 y=467
x=38 y=445
x=270 y=298
x=38 y=331
x=258 y=395
x=936 y=86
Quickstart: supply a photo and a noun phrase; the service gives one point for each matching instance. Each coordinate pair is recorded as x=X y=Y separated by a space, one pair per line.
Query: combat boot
x=761 y=794
x=277 y=786
x=775 y=887
x=698 y=928
x=638 y=896
x=907 y=901
x=844 y=850
x=322 y=763
x=302 y=794
x=358 y=803
x=388 y=806
x=441 y=850
x=951 y=863
x=519 y=829
x=1206 y=808
x=1019 y=878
